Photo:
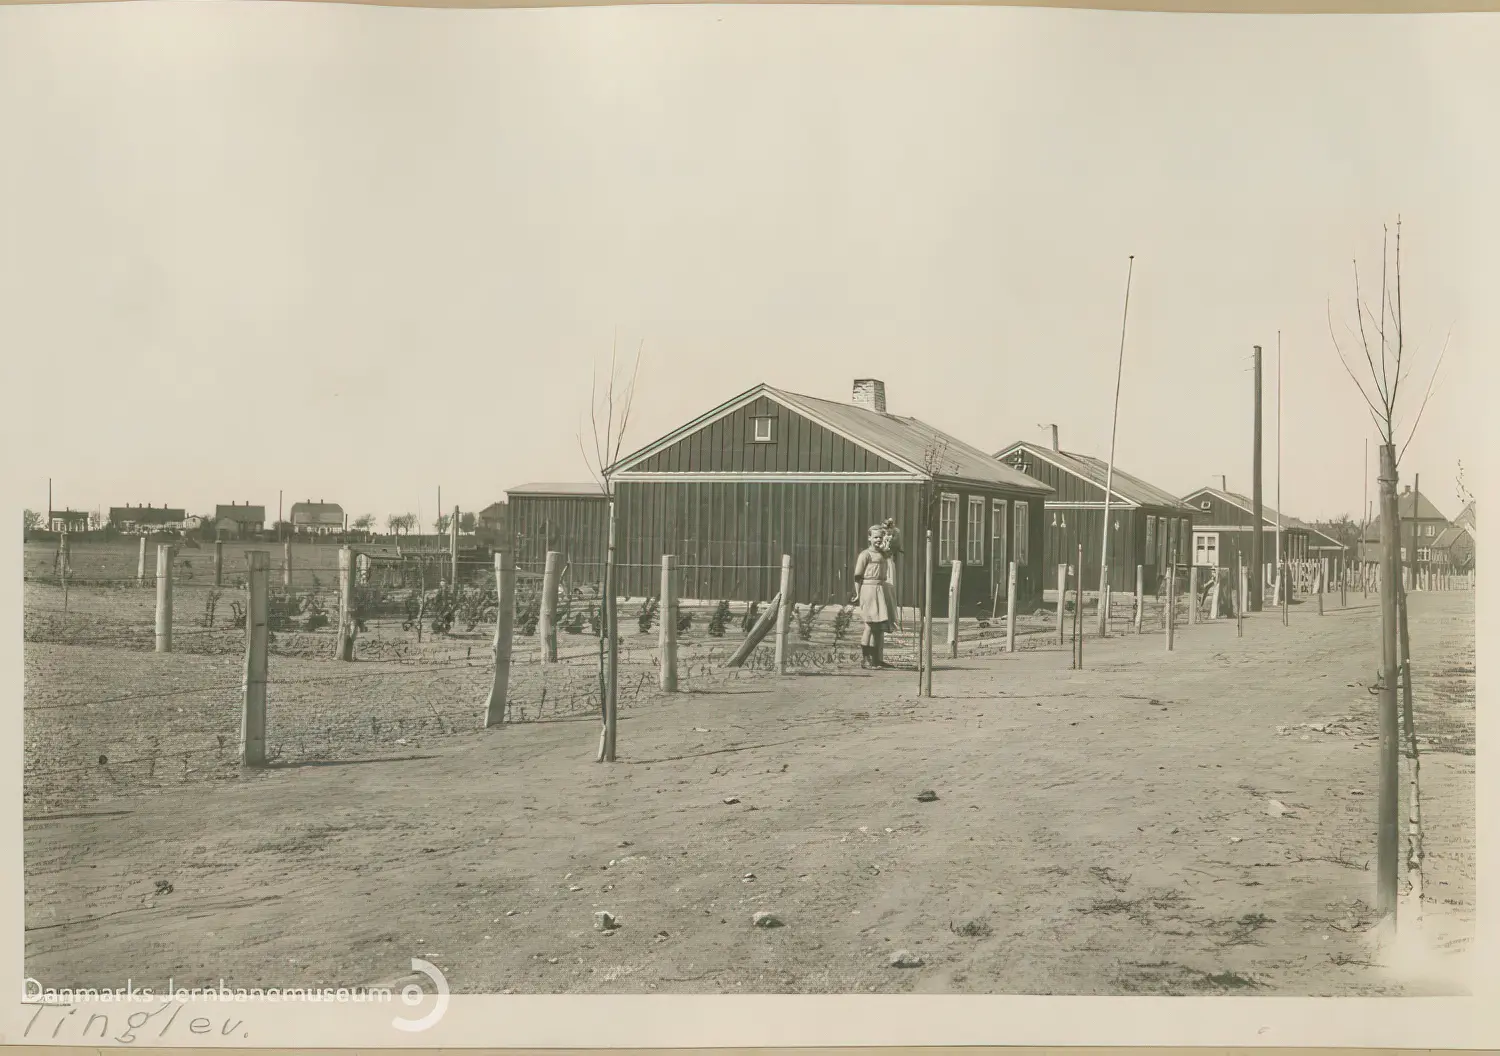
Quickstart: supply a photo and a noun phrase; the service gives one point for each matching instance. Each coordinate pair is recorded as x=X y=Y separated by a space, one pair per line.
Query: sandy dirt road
x=1108 y=830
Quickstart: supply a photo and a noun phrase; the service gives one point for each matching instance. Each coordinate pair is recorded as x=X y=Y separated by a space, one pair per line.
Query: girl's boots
x=866 y=656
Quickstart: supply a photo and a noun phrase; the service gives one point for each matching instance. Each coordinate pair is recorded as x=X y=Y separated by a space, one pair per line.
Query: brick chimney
x=870 y=392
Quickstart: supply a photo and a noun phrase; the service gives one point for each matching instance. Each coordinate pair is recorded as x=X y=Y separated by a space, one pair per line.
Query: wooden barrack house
x=1222 y=527
x=772 y=472
x=1147 y=525
x=570 y=518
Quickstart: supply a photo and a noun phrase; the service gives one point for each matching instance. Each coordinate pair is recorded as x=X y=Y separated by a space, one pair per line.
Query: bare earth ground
x=1095 y=831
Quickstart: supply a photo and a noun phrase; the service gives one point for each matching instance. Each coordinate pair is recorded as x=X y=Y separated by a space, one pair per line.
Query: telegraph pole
x=1257 y=542
x=1109 y=476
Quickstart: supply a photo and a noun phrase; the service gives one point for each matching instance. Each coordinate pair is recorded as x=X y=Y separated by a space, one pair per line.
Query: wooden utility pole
x=257 y=648
x=926 y=684
x=1257 y=541
x=164 y=598
x=1387 y=842
x=1282 y=586
x=505 y=616
x=667 y=615
x=1109 y=475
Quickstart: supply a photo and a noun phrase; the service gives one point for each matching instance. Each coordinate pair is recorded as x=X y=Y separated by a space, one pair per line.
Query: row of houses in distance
x=236 y=520
x=771 y=472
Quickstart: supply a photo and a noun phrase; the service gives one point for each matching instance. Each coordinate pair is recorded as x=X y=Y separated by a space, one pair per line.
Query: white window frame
x=975 y=544
x=999 y=532
x=947 y=519
x=769 y=434
x=1021 y=532
x=1207 y=538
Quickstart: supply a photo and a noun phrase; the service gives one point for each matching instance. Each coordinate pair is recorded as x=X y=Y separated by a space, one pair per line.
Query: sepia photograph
x=741 y=500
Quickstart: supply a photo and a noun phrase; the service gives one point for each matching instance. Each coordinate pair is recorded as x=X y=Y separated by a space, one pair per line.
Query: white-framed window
x=1206 y=549
x=1429 y=530
x=763 y=430
x=974 y=547
x=1424 y=554
x=998 y=522
x=947 y=529
x=1023 y=534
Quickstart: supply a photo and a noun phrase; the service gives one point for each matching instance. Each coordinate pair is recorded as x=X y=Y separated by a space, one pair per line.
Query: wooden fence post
x=453 y=546
x=1078 y=612
x=219 y=559
x=757 y=633
x=64 y=564
x=1010 y=609
x=1320 y=587
x=784 y=613
x=1062 y=602
x=1171 y=614
x=164 y=598
x=547 y=620
x=667 y=614
x=1286 y=593
x=956 y=577
x=1140 y=597
x=140 y=568
x=257 y=648
x=346 y=604
x=1241 y=599
x=1192 y=594
x=505 y=617
x=286 y=564
x=925 y=689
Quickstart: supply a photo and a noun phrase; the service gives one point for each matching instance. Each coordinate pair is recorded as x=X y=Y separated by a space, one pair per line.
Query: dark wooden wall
x=798 y=444
x=575 y=525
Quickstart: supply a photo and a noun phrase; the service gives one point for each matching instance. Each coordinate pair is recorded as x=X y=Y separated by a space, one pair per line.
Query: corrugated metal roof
x=920 y=446
x=1123 y=485
x=588 y=488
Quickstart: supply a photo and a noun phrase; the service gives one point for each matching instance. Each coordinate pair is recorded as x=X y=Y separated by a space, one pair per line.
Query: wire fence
x=106 y=714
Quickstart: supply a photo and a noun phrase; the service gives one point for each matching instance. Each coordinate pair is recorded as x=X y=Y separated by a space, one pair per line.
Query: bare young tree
x=1380 y=339
x=609 y=419
x=609 y=416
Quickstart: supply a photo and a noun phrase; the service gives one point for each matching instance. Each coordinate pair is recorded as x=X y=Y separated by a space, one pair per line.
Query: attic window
x=1205 y=504
x=762 y=430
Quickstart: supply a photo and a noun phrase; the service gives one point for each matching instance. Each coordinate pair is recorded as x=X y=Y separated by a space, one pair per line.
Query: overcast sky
x=359 y=254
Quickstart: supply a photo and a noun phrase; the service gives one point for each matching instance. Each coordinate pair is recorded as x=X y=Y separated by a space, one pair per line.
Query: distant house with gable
x=135 y=520
x=240 y=521
x=318 y=518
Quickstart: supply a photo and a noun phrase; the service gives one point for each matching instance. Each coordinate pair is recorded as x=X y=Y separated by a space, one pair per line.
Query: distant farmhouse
x=317 y=518
x=1421 y=524
x=240 y=521
x=138 y=519
x=492 y=523
x=67 y=521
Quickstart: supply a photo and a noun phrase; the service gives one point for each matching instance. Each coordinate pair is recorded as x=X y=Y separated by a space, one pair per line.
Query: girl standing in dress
x=875 y=597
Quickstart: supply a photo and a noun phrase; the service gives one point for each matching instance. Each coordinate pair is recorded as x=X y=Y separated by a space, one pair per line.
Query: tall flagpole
x=1109 y=476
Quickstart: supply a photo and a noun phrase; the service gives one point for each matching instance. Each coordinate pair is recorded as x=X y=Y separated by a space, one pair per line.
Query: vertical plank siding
x=728 y=445
x=575 y=525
